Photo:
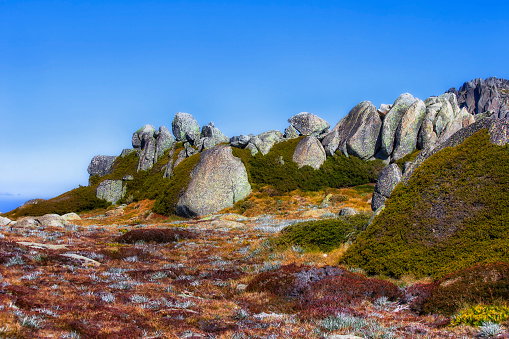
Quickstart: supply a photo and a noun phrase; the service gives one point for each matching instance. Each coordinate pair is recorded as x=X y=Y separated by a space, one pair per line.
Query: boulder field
x=390 y=132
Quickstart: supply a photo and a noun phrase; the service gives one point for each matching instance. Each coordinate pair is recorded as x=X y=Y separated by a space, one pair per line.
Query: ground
x=113 y=286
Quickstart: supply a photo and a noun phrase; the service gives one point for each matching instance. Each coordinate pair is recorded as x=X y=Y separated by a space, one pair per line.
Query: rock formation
x=111 y=191
x=308 y=124
x=218 y=181
x=309 y=152
x=479 y=96
x=185 y=127
x=101 y=165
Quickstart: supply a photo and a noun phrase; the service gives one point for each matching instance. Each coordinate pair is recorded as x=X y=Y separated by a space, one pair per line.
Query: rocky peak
x=482 y=95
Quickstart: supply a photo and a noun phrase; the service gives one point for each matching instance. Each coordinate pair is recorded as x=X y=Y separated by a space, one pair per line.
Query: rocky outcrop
x=309 y=152
x=240 y=141
x=110 y=190
x=101 y=165
x=211 y=136
x=164 y=141
x=147 y=153
x=389 y=177
x=392 y=121
x=308 y=124
x=478 y=96
x=218 y=181
x=263 y=142
x=358 y=131
x=405 y=138
x=185 y=127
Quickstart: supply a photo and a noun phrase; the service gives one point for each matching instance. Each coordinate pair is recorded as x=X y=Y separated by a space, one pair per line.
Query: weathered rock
x=213 y=136
x=185 y=127
x=377 y=201
x=127 y=177
x=479 y=96
x=101 y=165
x=27 y=222
x=218 y=181
x=127 y=151
x=5 y=221
x=264 y=141
x=51 y=220
x=383 y=110
x=148 y=151
x=110 y=190
x=347 y=211
x=405 y=139
x=462 y=120
x=164 y=142
x=308 y=123
x=240 y=141
x=168 y=169
x=137 y=136
x=389 y=177
x=359 y=131
x=291 y=132
x=499 y=132
x=71 y=217
x=309 y=152
x=392 y=121
x=331 y=142
x=250 y=146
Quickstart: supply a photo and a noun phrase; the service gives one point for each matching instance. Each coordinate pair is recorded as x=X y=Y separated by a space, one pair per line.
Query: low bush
x=452 y=213
x=322 y=235
x=278 y=170
x=158 y=235
x=479 y=314
x=325 y=288
x=480 y=284
x=77 y=200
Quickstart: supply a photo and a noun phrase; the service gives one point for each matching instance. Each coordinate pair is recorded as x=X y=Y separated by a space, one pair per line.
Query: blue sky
x=77 y=78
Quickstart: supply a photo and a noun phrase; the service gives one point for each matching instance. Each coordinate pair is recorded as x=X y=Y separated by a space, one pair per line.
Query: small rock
x=5 y=221
x=241 y=288
x=71 y=216
x=291 y=132
x=347 y=211
x=240 y=141
x=51 y=220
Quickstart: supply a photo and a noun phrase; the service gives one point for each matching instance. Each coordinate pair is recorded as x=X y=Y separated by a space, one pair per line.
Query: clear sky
x=77 y=78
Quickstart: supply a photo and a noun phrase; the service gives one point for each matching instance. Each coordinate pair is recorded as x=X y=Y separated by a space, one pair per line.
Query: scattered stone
x=71 y=217
x=241 y=288
x=308 y=124
x=111 y=191
x=51 y=220
x=42 y=246
x=100 y=165
x=227 y=224
x=5 y=221
x=218 y=181
x=128 y=177
x=185 y=127
x=27 y=222
x=82 y=258
x=314 y=214
x=309 y=152
x=347 y=211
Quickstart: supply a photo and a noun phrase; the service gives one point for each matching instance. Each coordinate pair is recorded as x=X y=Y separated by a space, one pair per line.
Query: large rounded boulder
x=218 y=181
x=309 y=152
x=308 y=124
x=185 y=127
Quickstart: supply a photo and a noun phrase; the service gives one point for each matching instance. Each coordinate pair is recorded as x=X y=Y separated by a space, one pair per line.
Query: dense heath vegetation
x=452 y=214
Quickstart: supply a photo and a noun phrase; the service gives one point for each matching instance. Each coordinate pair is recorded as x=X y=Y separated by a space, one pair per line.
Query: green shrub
x=77 y=200
x=479 y=314
x=452 y=214
x=278 y=170
x=322 y=235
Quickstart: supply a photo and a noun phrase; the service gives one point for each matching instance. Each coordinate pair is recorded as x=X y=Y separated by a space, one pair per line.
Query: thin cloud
x=7 y=194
